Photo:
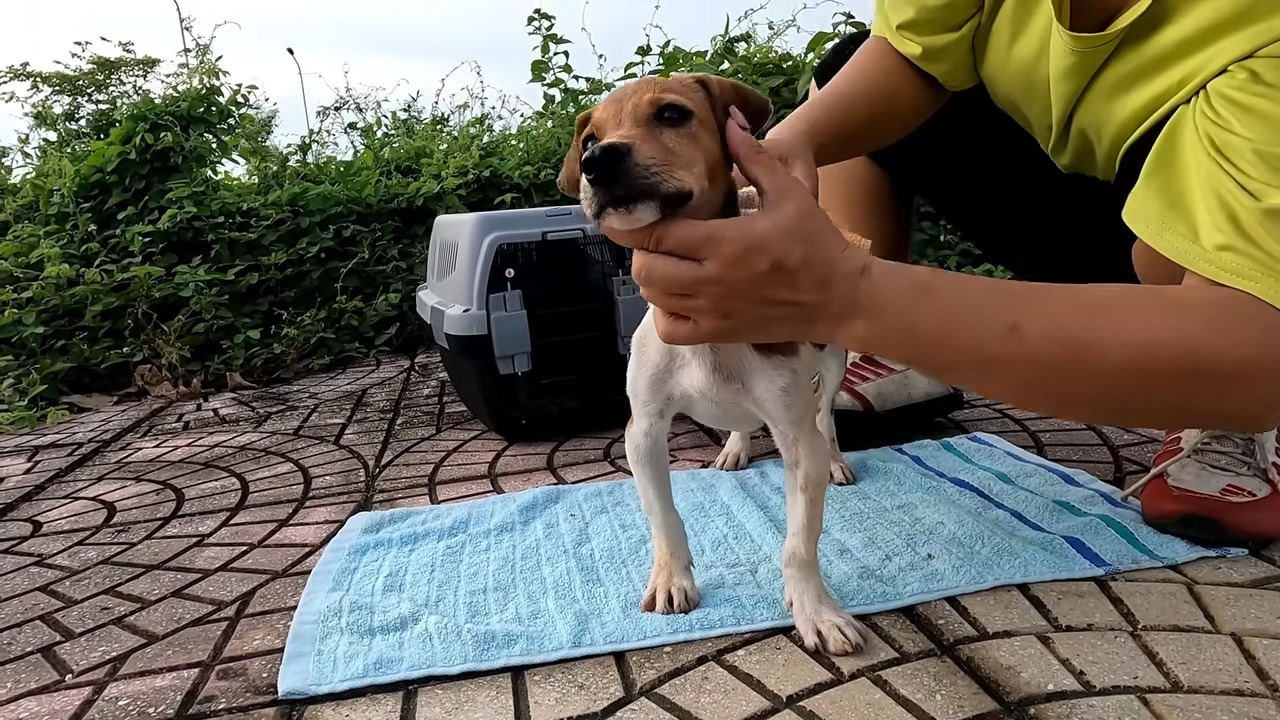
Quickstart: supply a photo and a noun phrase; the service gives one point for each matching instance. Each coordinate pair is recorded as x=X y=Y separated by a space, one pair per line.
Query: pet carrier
x=533 y=312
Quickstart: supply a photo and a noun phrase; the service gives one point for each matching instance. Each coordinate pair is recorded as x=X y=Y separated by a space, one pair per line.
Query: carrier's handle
x=509 y=329
x=629 y=309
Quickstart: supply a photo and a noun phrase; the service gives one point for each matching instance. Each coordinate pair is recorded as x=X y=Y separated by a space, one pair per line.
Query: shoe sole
x=859 y=429
x=911 y=413
x=1203 y=530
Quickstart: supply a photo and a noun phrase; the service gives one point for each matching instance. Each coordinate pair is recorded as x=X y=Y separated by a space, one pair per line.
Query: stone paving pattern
x=151 y=555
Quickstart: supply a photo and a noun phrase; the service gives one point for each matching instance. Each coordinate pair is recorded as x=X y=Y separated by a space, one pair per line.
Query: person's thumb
x=754 y=163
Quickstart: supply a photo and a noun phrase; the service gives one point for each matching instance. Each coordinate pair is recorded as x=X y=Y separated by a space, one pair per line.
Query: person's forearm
x=1128 y=355
x=876 y=99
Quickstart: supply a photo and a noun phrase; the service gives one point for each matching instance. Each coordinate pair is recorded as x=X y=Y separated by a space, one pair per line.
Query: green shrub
x=147 y=217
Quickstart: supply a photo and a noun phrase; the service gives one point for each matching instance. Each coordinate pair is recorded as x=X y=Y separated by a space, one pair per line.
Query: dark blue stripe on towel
x=1079 y=546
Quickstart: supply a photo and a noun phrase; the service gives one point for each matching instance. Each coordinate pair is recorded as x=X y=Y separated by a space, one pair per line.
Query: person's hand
x=782 y=274
x=794 y=155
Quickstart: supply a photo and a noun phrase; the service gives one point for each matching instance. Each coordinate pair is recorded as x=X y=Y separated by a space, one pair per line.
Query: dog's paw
x=841 y=473
x=736 y=454
x=821 y=624
x=671 y=590
x=830 y=630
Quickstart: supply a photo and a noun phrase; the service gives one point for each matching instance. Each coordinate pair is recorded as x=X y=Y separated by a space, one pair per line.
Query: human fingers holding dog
x=794 y=155
x=796 y=158
x=782 y=274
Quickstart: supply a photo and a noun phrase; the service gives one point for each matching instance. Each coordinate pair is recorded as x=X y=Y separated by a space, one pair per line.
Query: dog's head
x=655 y=148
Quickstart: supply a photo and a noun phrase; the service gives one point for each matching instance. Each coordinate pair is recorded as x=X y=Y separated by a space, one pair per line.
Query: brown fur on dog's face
x=655 y=147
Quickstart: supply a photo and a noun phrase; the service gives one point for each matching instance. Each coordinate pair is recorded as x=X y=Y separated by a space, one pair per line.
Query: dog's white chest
x=716 y=386
x=733 y=416
x=728 y=387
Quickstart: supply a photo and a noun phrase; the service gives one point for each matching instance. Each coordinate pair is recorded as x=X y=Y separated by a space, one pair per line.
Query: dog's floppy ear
x=571 y=174
x=725 y=93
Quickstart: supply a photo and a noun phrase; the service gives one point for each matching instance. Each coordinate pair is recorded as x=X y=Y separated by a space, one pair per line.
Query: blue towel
x=557 y=573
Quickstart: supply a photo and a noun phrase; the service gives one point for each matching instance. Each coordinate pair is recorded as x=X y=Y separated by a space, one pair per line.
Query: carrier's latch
x=629 y=310
x=509 y=330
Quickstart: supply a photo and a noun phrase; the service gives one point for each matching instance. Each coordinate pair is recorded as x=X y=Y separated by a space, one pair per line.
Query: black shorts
x=989 y=179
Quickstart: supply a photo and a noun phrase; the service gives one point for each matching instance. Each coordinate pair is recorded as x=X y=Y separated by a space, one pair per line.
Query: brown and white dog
x=655 y=148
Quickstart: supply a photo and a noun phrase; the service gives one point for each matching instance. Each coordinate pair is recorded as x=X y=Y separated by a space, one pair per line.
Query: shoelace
x=1226 y=451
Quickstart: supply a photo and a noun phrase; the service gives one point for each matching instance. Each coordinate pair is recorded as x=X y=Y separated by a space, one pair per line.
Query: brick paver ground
x=151 y=556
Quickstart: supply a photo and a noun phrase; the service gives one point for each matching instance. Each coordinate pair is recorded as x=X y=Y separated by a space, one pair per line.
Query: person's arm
x=1204 y=353
x=918 y=53
x=1190 y=355
x=877 y=98
x=1198 y=355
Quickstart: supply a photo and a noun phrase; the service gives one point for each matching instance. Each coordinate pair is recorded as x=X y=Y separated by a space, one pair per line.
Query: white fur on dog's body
x=737 y=388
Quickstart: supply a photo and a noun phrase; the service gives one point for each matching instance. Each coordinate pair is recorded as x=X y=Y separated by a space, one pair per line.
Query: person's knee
x=1153 y=268
x=861 y=200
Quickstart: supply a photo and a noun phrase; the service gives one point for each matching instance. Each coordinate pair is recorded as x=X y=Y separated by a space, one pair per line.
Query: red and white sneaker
x=874 y=384
x=1216 y=487
x=878 y=395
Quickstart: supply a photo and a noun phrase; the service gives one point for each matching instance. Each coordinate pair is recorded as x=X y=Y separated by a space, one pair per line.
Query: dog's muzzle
x=618 y=182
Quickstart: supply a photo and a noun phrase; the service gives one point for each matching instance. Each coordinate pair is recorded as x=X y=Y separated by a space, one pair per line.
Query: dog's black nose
x=607 y=163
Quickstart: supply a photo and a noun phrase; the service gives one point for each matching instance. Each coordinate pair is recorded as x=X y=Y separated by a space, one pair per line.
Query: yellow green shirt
x=1208 y=196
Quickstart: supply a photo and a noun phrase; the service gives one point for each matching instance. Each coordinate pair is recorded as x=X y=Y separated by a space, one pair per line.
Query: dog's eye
x=588 y=142
x=672 y=115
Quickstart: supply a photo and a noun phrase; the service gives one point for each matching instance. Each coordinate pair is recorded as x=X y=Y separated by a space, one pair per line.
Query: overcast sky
x=382 y=42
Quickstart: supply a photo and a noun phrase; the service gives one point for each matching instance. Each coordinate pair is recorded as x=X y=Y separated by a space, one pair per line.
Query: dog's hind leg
x=671 y=587
x=830 y=374
x=822 y=624
x=736 y=454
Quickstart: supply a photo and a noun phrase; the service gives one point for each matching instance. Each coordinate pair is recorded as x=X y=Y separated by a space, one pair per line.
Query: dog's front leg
x=830 y=374
x=671 y=586
x=805 y=458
